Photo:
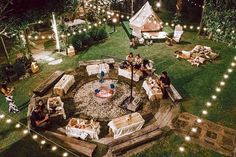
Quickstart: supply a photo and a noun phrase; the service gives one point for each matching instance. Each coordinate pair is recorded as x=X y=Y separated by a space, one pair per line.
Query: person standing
x=7 y=92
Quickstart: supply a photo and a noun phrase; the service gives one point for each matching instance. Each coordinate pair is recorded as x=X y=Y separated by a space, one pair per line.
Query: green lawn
x=196 y=85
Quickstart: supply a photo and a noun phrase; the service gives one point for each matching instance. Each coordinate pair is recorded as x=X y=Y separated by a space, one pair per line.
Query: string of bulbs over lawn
x=208 y=104
x=36 y=135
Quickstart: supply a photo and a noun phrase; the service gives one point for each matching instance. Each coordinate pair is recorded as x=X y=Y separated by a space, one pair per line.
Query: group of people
x=138 y=63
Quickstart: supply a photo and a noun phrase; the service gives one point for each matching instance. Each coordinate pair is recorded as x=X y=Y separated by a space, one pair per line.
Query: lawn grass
x=196 y=85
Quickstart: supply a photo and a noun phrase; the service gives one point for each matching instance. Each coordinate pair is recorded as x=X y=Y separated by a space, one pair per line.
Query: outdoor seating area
x=198 y=55
x=117 y=78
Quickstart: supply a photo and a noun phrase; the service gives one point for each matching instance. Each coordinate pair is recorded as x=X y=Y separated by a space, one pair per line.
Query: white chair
x=178 y=33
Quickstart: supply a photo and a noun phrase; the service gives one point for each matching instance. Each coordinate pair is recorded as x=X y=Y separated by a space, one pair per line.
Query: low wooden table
x=126 y=125
x=152 y=89
x=63 y=85
x=127 y=74
x=82 y=128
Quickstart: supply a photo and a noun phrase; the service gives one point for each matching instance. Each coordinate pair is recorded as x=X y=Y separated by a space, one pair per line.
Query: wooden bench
x=48 y=83
x=78 y=146
x=172 y=92
x=109 y=61
x=125 y=143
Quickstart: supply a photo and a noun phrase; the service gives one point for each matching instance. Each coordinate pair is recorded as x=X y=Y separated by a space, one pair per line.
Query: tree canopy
x=17 y=14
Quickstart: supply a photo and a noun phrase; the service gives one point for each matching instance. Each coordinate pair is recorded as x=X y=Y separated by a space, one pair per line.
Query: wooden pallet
x=48 y=83
x=76 y=145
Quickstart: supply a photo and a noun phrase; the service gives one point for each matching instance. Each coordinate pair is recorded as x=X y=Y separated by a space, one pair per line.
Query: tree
x=18 y=14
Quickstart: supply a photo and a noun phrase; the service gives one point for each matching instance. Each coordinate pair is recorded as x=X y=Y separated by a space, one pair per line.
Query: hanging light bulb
x=218 y=89
x=187 y=138
x=222 y=83
x=181 y=149
x=199 y=120
x=17 y=126
x=213 y=97
x=65 y=154
x=204 y=112
x=208 y=104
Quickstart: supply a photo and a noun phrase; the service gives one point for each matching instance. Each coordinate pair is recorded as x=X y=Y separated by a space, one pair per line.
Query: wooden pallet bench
x=76 y=145
x=125 y=143
x=48 y=83
x=109 y=61
x=172 y=92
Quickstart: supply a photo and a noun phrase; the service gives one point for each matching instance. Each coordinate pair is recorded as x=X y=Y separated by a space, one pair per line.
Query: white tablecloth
x=127 y=74
x=121 y=126
x=151 y=92
x=97 y=68
x=64 y=85
x=83 y=133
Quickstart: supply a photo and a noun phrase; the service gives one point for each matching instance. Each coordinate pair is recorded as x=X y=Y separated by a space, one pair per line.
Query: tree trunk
x=5 y=50
x=179 y=6
x=27 y=43
x=202 y=21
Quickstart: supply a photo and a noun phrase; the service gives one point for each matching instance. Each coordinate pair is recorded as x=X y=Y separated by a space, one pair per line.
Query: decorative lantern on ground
x=34 y=67
x=70 y=51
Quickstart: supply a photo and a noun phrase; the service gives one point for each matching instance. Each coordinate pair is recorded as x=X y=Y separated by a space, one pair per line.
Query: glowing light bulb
x=234 y=57
x=233 y=64
x=199 y=120
x=43 y=142
x=226 y=76
x=185 y=26
x=65 y=154
x=198 y=28
x=25 y=131
x=218 y=30
x=191 y=27
x=208 y=104
x=194 y=130
x=181 y=149
x=54 y=148
x=74 y=33
x=17 y=126
x=213 y=97
x=122 y=16
x=8 y=121
x=127 y=17
x=204 y=29
x=218 y=89
x=230 y=70
x=204 y=112
x=35 y=137
x=187 y=138
x=222 y=83
x=167 y=23
x=2 y=116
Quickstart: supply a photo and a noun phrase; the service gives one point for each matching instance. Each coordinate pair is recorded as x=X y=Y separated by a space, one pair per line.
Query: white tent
x=145 y=20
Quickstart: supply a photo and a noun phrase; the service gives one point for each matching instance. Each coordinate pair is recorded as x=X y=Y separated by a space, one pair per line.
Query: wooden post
x=131 y=83
x=201 y=22
x=27 y=43
x=5 y=50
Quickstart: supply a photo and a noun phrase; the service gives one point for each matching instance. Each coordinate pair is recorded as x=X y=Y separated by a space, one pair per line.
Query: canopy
x=145 y=20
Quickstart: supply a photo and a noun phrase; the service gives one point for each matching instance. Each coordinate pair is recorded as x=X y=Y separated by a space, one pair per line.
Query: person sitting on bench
x=164 y=83
x=38 y=118
x=137 y=62
x=130 y=58
x=146 y=67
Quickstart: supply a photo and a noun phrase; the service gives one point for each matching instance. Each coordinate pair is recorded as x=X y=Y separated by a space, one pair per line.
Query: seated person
x=137 y=62
x=38 y=118
x=132 y=43
x=146 y=67
x=130 y=58
x=164 y=83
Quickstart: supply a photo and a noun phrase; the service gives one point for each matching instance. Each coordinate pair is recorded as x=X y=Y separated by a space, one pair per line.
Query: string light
x=65 y=154
x=43 y=142
x=191 y=27
x=2 y=116
x=218 y=89
x=187 y=138
x=194 y=130
x=35 y=137
x=181 y=149
x=199 y=120
x=226 y=76
x=208 y=104
x=230 y=70
x=204 y=112
x=213 y=97
x=17 y=126
x=8 y=121
x=54 y=148
x=25 y=131
x=222 y=83
x=233 y=64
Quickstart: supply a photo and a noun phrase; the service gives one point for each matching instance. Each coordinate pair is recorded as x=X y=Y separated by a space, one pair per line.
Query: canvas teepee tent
x=145 y=20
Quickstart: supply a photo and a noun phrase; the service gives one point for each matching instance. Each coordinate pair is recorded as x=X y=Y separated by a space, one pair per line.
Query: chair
x=178 y=33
